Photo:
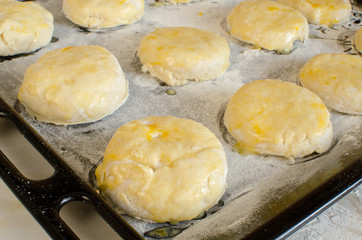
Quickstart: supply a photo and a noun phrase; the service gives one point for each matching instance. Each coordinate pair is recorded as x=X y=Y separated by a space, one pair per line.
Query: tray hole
x=85 y=222
x=15 y=220
x=21 y=153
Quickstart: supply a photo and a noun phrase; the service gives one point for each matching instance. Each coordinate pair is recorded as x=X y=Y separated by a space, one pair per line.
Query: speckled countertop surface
x=343 y=220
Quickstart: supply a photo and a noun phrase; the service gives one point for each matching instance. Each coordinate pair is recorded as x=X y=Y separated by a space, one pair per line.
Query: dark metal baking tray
x=267 y=197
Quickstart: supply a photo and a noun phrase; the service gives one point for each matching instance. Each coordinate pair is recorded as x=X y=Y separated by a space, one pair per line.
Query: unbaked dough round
x=73 y=85
x=267 y=24
x=324 y=12
x=278 y=118
x=24 y=27
x=177 y=54
x=163 y=169
x=98 y=14
x=358 y=40
x=337 y=79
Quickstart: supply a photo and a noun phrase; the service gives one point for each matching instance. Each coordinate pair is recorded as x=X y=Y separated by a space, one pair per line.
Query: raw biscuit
x=324 y=12
x=100 y=14
x=176 y=55
x=358 y=40
x=163 y=169
x=337 y=79
x=73 y=85
x=24 y=27
x=278 y=118
x=267 y=24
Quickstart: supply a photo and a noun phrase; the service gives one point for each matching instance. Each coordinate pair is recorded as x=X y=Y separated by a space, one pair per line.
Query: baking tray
x=267 y=197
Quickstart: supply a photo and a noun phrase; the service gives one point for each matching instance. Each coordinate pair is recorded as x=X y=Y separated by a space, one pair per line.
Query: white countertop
x=341 y=221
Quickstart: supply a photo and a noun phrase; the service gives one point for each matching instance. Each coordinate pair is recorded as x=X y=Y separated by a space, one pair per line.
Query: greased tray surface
x=259 y=187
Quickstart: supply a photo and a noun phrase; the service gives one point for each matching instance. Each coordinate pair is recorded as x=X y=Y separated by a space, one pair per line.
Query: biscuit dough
x=267 y=24
x=163 y=169
x=337 y=79
x=98 y=14
x=24 y=27
x=278 y=118
x=177 y=54
x=324 y=12
x=358 y=40
x=73 y=85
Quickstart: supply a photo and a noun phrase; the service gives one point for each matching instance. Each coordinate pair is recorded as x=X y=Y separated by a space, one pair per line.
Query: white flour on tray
x=255 y=183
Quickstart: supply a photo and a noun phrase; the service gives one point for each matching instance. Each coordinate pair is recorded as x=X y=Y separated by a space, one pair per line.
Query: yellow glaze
x=98 y=14
x=267 y=24
x=24 y=27
x=279 y=118
x=178 y=54
x=73 y=85
x=163 y=169
x=337 y=79
x=358 y=40
x=324 y=12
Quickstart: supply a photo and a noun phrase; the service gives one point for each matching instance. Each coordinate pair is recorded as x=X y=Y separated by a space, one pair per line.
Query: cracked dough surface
x=324 y=12
x=163 y=169
x=73 y=85
x=279 y=118
x=24 y=27
x=98 y=14
x=267 y=24
x=337 y=79
x=176 y=55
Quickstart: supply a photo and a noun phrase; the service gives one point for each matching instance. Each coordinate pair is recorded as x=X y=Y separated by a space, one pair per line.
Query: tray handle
x=44 y=198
